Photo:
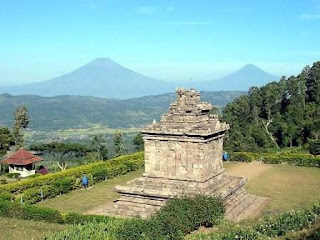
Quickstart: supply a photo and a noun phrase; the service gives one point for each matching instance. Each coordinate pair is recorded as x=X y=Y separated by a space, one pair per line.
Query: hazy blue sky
x=170 y=40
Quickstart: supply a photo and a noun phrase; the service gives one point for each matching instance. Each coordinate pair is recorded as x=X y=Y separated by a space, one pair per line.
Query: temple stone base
x=144 y=196
x=183 y=156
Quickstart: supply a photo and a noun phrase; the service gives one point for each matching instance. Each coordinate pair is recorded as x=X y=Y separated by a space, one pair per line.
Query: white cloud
x=309 y=16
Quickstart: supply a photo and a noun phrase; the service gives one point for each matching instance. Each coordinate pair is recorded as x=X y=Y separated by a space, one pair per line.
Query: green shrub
x=64 y=185
x=35 y=175
x=92 y=230
x=5 y=196
x=177 y=218
x=3 y=181
x=99 y=175
x=29 y=212
x=271 y=226
x=295 y=159
x=314 y=147
x=32 y=195
x=243 y=156
x=76 y=218
x=13 y=175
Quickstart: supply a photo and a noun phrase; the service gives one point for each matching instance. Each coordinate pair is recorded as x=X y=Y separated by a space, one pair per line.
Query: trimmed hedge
x=13 y=175
x=244 y=156
x=65 y=181
x=296 y=159
x=31 y=212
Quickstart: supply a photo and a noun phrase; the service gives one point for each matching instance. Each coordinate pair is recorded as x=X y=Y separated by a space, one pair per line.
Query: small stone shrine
x=183 y=156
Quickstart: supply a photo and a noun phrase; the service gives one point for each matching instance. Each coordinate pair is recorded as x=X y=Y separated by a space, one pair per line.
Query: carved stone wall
x=185 y=160
x=183 y=155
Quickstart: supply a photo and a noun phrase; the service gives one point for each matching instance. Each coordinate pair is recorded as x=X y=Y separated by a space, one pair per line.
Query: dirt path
x=248 y=170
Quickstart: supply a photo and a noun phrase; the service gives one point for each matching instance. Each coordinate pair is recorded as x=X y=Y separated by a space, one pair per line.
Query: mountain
x=101 y=77
x=240 y=80
x=105 y=78
x=64 y=112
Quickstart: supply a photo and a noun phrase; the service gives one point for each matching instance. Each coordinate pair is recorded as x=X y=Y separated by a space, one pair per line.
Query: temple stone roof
x=188 y=116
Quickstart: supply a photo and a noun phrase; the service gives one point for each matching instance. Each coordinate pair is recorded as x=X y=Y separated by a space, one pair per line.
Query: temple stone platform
x=183 y=156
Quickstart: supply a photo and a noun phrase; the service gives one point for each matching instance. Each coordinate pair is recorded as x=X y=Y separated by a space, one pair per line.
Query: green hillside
x=279 y=114
x=64 y=112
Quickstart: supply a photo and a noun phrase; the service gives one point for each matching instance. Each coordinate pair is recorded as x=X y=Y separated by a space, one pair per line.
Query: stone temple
x=183 y=156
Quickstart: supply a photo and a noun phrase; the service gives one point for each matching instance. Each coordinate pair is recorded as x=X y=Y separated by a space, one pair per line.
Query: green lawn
x=288 y=187
x=83 y=200
x=17 y=229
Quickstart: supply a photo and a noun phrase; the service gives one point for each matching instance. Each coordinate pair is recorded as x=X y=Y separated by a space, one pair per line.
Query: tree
x=313 y=84
x=118 y=143
x=21 y=122
x=279 y=114
x=314 y=147
x=62 y=153
x=98 y=143
x=138 y=142
x=6 y=140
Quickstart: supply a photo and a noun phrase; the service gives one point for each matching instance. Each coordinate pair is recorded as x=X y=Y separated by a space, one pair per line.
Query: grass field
x=287 y=187
x=84 y=200
x=16 y=229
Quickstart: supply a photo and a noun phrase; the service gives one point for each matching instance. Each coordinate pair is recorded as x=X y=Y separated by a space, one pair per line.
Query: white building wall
x=23 y=173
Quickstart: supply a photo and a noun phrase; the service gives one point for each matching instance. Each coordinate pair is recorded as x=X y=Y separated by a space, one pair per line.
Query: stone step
x=253 y=210
x=222 y=183
x=235 y=201
x=241 y=207
x=131 y=209
x=233 y=198
x=231 y=188
x=142 y=200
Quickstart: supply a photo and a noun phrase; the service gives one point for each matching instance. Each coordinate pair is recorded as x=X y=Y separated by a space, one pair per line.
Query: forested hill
x=63 y=112
x=279 y=114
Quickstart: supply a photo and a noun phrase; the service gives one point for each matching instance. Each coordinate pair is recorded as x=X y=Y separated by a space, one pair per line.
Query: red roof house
x=22 y=162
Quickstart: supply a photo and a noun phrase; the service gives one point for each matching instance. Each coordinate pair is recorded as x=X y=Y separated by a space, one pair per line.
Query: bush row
x=31 y=212
x=297 y=159
x=50 y=185
x=271 y=226
x=244 y=156
x=292 y=159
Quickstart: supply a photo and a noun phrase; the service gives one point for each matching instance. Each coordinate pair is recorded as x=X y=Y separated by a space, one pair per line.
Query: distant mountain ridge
x=64 y=112
x=103 y=77
x=241 y=80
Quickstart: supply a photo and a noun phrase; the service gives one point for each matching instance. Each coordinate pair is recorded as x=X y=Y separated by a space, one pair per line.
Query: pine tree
x=21 y=122
x=118 y=143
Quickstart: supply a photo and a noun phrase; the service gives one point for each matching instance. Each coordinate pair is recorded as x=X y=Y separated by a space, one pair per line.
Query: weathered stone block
x=183 y=156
